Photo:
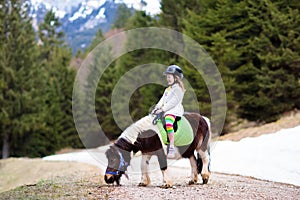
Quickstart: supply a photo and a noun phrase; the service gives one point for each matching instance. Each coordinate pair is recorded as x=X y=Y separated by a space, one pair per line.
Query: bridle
x=122 y=166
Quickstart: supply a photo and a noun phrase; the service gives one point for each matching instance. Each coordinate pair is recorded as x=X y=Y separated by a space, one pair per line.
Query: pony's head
x=116 y=165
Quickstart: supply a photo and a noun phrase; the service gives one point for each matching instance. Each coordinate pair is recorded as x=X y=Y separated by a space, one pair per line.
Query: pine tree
x=174 y=15
x=277 y=52
x=146 y=96
x=96 y=59
x=251 y=44
x=122 y=16
x=175 y=11
x=19 y=76
x=54 y=60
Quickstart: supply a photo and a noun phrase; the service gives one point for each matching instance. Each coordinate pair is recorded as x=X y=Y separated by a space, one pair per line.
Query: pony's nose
x=109 y=178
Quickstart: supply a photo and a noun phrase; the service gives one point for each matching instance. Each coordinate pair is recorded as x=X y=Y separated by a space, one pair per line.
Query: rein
x=157 y=117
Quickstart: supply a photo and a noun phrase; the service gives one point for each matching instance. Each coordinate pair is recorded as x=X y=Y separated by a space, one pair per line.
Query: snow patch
x=152 y=7
x=101 y=14
x=272 y=157
x=95 y=4
x=59 y=13
x=83 y=12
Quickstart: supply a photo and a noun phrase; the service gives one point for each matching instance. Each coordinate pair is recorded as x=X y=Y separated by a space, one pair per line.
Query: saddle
x=183 y=130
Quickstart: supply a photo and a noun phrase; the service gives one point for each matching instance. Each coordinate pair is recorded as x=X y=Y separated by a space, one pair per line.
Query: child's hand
x=156 y=111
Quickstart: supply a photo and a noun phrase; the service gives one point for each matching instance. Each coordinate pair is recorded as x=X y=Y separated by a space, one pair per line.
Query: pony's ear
x=126 y=175
x=110 y=151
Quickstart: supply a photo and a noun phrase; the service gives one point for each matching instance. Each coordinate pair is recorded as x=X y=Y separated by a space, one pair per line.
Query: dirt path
x=221 y=186
x=87 y=186
x=81 y=181
x=68 y=180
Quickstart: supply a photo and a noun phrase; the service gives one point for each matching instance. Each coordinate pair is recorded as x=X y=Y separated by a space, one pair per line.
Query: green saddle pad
x=183 y=136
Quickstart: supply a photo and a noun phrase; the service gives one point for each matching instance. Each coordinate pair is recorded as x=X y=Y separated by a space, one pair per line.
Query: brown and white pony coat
x=148 y=140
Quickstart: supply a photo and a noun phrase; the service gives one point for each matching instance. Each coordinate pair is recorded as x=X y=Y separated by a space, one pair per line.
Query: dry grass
x=16 y=172
x=289 y=120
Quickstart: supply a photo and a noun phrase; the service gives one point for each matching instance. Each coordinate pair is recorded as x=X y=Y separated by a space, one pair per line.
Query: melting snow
x=272 y=157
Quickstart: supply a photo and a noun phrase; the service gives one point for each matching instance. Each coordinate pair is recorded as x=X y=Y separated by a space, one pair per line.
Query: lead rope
x=124 y=164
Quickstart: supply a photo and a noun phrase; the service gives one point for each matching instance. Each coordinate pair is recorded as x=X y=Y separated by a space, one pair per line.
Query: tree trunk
x=5 y=147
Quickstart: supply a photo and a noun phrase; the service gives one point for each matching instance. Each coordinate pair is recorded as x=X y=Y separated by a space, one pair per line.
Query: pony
x=144 y=136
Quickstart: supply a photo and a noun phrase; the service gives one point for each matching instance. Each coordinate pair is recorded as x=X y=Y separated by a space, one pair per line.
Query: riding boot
x=171 y=153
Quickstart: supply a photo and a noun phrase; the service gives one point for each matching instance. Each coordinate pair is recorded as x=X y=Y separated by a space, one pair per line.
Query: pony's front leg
x=205 y=173
x=194 y=173
x=144 y=166
x=167 y=183
x=162 y=159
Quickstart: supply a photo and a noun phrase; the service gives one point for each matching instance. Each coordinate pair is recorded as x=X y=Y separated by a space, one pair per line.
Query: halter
x=122 y=166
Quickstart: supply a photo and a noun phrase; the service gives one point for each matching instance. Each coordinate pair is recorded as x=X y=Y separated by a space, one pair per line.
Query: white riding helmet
x=174 y=69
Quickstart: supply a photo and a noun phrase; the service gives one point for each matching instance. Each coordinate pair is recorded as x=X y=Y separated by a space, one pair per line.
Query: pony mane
x=132 y=132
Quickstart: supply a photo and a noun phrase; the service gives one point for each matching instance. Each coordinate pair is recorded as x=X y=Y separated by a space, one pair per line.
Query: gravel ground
x=89 y=185
x=221 y=186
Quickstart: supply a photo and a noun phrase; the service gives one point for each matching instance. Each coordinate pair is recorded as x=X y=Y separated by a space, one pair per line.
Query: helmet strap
x=175 y=81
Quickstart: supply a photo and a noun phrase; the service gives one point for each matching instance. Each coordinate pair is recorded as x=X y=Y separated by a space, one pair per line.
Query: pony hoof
x=192 y=182
x=166 y=185
x=205 y=178
x=142 y=185
x=205 y=181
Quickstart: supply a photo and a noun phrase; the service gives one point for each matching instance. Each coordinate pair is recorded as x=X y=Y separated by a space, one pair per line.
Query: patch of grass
x=44 y=189
x=67 y=187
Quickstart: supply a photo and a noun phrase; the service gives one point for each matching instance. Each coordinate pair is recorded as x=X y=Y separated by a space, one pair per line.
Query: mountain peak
x=62 y=7
x=81 y=19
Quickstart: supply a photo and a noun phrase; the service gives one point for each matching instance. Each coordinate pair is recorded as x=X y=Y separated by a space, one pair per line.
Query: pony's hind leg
x=145 y=180
x=205 y=173
x=194 y=173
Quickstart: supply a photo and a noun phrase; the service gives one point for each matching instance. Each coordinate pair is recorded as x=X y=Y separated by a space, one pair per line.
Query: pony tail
x=179 y=81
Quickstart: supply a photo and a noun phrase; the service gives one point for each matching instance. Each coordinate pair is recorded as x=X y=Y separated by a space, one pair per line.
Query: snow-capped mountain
x=81 y=19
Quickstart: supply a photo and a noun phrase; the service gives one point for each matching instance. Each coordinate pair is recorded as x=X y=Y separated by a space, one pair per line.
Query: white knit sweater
x=171 y=101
